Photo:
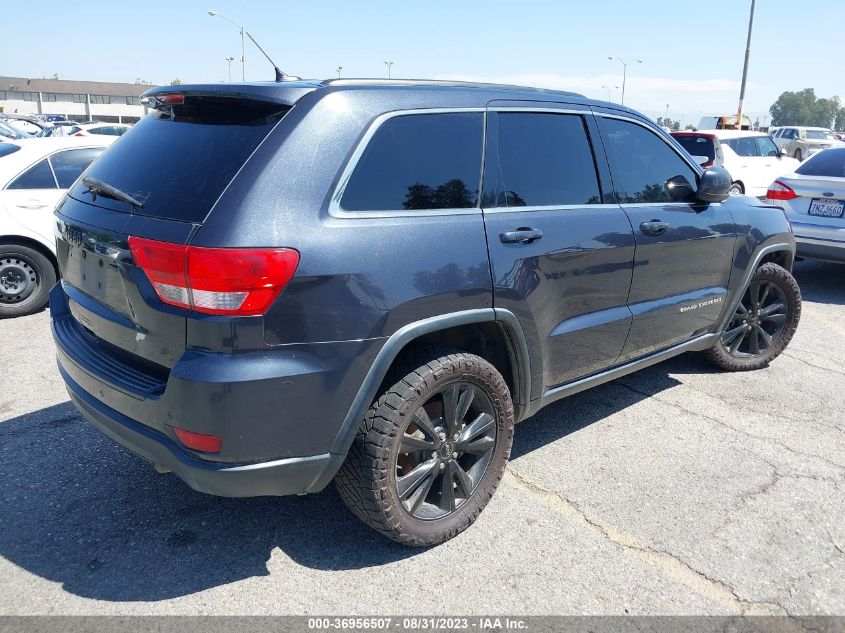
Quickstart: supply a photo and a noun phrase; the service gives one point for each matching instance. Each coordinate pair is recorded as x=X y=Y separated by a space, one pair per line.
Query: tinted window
x=421 y=161
x=69 y=164
x=38 y=176
x=743 y=146
x=8 y=148
x=830 y=163
x=179 y=165
x=766 y=146
x=643 y=163
x=698 y=146
x=540 y=160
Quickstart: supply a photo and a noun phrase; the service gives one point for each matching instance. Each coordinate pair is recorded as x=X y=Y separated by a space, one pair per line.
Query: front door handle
x=654 y=227
x=523 y=235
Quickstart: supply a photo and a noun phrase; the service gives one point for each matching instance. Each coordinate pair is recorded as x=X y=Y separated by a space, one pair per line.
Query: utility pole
x=388 y=64
x=338 y=69
x=230 y=60
x=745 y=69
x=624 y=73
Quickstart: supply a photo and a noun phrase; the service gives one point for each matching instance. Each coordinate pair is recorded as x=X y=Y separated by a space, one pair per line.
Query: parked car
x=752 y=158
x=10 y=133
x=803 y=142
x=724 y=122
x=360 y=318
x=108 y=129
x=813 y=198
x=34 y=175
x=28 y=123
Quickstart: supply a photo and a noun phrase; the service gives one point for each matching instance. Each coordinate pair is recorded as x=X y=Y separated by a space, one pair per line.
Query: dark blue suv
x=269 y=286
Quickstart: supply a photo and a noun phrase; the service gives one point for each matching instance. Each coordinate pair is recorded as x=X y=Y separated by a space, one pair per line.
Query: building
x=77 y=100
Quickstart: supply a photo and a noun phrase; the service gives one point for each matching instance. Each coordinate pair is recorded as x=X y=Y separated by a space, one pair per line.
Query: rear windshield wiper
x=100 y=188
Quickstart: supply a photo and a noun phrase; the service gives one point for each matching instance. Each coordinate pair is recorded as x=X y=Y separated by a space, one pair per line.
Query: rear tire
x=26 y=278
x=763 y=324
x=432 y=448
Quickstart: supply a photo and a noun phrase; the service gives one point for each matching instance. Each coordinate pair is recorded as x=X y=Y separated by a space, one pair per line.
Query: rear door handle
x=654 y=227
x=522 y=235
x=32 y=204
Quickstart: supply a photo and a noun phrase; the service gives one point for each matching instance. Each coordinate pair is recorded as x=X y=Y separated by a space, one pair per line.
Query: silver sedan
x=813 y=198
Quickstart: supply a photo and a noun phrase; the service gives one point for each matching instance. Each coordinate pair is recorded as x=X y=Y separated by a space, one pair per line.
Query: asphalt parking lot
x=678 y=490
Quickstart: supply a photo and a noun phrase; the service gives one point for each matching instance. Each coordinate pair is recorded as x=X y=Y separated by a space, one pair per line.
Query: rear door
x=29 y=199
x=684 y=251
x=561 y=256
x=176 y=161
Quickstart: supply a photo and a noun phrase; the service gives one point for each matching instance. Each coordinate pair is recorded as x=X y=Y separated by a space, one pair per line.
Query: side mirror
x=714 y=185
x=783 y=151
x=680 y=189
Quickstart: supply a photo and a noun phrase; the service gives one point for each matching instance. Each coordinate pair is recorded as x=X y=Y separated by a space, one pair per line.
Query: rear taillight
x=709 y=163
x=233 y=281
x=779 y=191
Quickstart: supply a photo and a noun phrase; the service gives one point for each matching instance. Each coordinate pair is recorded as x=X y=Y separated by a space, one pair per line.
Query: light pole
x=338 y=69
x=745 y=69
x=388 y=64
x=213 y=13
x=667 y=113
x=230 y=60
x=624 y=73
x=609 y=97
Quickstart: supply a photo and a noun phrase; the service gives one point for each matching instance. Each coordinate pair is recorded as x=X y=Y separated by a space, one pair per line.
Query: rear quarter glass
x=179 y=160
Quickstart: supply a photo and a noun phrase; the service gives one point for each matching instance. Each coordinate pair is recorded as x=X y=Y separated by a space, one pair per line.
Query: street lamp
x=609 y=97
x=230 y=60
x=213 y=13
x=339 y=68
x=624 y=73
x=280 y=76
x=388 y=64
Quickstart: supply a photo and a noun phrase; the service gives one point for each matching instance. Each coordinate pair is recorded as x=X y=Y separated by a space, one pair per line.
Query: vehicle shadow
x=821 y=282
x=77 y=509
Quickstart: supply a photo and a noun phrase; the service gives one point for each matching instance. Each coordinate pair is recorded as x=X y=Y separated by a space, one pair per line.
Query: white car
x=752 y=158
x=34 y=174
x=106 y=129
x=813 y=198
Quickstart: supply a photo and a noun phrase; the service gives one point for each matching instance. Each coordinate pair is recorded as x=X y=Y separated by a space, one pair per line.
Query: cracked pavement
x=676 y=490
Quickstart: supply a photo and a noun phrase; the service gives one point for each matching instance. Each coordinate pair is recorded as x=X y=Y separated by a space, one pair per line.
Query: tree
x=667 y=122
x=840 y=119
x=176 y=82
x=804 y=108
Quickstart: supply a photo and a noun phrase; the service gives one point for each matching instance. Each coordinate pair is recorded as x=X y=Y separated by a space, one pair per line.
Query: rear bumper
x=277 y=411
x=812 y=248
x=279 y=477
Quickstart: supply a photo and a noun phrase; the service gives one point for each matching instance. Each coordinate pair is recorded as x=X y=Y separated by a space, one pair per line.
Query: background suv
x=752 y=158
x=269 y=286
x=802 y=142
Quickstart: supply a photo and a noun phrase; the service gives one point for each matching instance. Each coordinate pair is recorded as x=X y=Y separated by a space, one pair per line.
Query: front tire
x=432 y=449
x=763 y=324
x=736 y=189
x=26 y=278
x=798 y=155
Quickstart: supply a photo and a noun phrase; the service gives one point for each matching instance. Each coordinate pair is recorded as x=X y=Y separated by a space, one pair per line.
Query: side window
x=541 y=159
x=69 y=164
x=38 y=176
x=419 y=161
x=643 y=163
x=766 y=146
x=743 y=146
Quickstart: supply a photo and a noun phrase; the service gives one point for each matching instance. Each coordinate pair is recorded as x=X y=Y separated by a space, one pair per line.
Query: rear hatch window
x=178 y=160
x=828 y=164
x=698 y=146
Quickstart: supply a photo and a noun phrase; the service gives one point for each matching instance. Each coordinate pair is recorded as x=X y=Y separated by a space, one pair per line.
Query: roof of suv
x=289 y=92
